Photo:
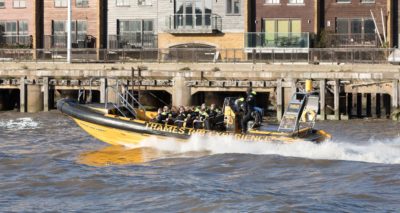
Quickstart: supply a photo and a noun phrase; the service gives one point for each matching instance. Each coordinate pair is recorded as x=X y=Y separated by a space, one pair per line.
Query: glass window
x=272 y=1
x=122 y=3
x=19 y=3
x=193 y=13
x=342 y=26
x=343 y=1
x=369 y=26
x=11 y=28
x=233 y=7
x=2 y=26
x=356 y=25
x=60 y=3
x=23 y=27
x=144 y=2
x=296 y=1
x=82 y=3
x=367 y=1
x=2 y=5
x=59 y=27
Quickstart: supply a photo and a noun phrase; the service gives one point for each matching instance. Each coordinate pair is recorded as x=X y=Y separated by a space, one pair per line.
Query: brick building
x=350 y=23
x=87 y=23
x=20 y=23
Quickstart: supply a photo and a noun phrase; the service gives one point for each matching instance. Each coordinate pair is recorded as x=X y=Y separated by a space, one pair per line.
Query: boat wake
x=372 y=151
x=19 y=124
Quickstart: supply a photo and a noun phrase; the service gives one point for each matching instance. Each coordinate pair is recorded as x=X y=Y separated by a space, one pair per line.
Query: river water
x=47 y=163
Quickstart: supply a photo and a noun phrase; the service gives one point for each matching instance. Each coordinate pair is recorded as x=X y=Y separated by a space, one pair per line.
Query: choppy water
x=47 y=163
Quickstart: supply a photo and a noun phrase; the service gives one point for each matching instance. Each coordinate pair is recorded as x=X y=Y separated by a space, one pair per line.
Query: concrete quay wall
x=346 y=90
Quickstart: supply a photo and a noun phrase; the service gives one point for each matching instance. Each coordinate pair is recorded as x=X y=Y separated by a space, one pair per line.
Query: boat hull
x=122 y=131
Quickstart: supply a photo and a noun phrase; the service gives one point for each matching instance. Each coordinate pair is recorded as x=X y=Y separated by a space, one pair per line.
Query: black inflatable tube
x=73 y=109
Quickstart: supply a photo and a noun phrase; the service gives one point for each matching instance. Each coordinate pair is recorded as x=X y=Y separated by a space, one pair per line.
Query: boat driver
x=250 y=107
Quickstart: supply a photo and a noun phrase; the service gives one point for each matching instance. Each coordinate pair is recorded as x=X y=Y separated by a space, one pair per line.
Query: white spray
x=373 y=151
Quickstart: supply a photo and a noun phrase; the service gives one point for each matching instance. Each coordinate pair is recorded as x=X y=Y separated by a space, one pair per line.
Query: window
x=82 y=3
x=283 y=32
x=19 y=3
x=296 y=1
x=2 y=4
x=60 y=3
x=367 y=1
x=343 y=1
x=8 y=27
x=272 y=1
x=193 y=13
x=233 y=7
x=122 y=3
x=135 y=33
x=144 y=2
x=23 y=28
x=355 y=26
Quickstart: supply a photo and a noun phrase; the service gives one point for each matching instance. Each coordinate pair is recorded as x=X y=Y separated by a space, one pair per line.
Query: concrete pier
x=346 y=91
x=181 y=94
x=34 y=98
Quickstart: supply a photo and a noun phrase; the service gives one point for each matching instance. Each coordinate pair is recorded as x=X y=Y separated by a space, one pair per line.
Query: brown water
x=47 y=163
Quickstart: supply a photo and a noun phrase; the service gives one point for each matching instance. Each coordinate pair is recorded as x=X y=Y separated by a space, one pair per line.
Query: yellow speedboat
x=108 y=125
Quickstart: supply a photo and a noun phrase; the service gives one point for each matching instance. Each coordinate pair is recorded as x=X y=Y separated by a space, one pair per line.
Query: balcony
x=77 y=40
x=193 y=23
x=132 y=41
x=278 y=41
x=352 y=40
x=15 y=41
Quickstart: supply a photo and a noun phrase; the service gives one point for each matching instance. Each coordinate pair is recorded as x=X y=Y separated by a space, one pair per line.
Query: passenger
x=189 y=121
x=164 y=115
x=250 y=104
x=180 y=118
x=201 y=117
x=159 y=118
x=210 y=121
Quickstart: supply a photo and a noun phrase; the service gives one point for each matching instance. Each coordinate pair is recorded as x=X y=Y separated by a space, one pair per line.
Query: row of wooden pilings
x=338 y=101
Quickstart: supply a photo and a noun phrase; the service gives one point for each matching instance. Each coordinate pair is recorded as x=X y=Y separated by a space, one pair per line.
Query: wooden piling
x=279 y=99
x=322 y=85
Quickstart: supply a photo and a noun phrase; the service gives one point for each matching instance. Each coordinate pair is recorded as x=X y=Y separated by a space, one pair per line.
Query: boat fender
x=308 y=115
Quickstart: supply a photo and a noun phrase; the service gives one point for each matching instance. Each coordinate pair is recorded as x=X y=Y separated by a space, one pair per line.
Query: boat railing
x=123 y=99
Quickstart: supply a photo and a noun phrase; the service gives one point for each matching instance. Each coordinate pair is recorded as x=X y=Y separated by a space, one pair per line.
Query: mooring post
x=103 y=85
x=336 y=91
x=279 y=99
x=374 y=109
x=382 y=105
x=322 y=87
x=395 y=95
x=45 y=94
x=22 y=95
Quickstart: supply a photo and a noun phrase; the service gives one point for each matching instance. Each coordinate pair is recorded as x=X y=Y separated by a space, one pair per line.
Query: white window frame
x=82 y=3
x=233 y=7
x=144 y=2
x=19 y=3
x=367 y=1
x=272 y=2
x=122 y=3
x=60 y=3
x=4 y=4
x=296 y=2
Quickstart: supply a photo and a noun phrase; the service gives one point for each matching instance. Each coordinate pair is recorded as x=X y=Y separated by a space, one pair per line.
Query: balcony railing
x=352 y=40
x=77 y=41
x=277 y=40
x=13 y=41
x=133 y=40
x=207 y=55
x=194 y=23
